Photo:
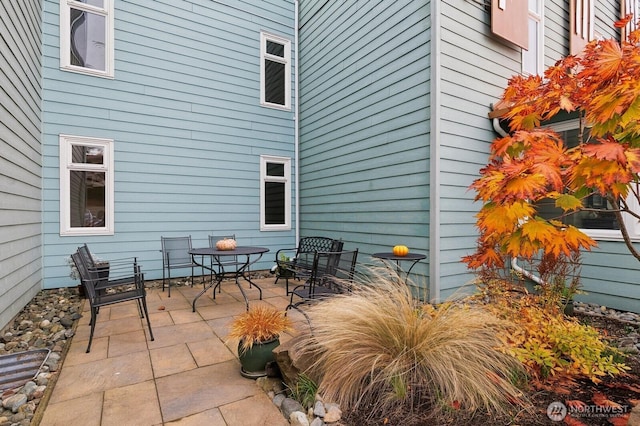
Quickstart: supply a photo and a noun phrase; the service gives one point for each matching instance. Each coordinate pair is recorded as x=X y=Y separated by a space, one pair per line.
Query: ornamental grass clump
x=380 y=347
x=261 y=323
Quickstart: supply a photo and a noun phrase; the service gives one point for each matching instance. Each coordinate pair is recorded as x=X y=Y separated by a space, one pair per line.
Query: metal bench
x=297 y=262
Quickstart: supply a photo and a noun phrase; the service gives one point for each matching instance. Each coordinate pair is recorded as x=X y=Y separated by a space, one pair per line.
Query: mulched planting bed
x=622 y=390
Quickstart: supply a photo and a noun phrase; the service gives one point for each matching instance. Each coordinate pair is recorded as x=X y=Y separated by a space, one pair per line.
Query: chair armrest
x=289 y=253
x=110 y=275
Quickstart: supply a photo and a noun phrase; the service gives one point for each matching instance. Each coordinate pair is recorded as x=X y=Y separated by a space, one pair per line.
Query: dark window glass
x=275 y=169
x=274 y=82
x=599 y=218
x=275 y=49
x=87 y=199
x=274 y=203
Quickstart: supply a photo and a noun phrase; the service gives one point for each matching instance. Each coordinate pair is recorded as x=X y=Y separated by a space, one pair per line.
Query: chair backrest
x=309 y=246
x=88 y=276
x=335 y=269
x=314 y=244
x=86 y=256
x=175 y=251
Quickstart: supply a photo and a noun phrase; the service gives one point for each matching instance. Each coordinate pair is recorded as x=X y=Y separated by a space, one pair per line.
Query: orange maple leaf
x=602 y=401
x=606 y=150
x=570 y=421
x=620 y=420
x=566 y=104
x=575 y=404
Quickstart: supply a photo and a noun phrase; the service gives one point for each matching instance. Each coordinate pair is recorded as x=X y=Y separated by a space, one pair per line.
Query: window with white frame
x=86 y=186
x=275 y=193
x=533 y=57
x=86 y=36
x=275 y=71
x=599 y=222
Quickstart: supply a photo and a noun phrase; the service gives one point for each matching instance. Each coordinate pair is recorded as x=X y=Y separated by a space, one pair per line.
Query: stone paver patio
x=188 y=376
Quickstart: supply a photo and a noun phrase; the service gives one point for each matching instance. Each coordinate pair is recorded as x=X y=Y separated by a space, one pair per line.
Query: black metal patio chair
x=175 y=255
x=332 y=273
x=297 y=262
x=126 y=285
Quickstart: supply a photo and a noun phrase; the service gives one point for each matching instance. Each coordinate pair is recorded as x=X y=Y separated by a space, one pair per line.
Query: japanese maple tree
x=532 y=163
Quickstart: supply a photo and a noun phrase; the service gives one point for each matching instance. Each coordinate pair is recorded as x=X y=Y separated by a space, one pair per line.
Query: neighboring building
x=126 y=121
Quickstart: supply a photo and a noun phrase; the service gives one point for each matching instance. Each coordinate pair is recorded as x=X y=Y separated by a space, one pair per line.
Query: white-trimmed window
x=275 y=71
x=533 y=57
x=86 y=186
x=601 y=224
x=275 y=193
x=86 y=36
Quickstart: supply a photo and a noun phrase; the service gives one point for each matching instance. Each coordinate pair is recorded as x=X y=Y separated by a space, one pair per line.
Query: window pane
x=87 y=39
x=97 y=3
x=274 y=82
x=599 y=218
x=274 y=203
x=276 y=49
x=275 y=169
x=88 y=154
x=87 y=199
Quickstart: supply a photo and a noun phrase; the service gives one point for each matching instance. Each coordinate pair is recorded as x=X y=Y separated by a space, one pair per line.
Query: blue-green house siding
x=392 y=126
x=393 y=129
x=184 y=113
x=364 y=124
x=20 y=156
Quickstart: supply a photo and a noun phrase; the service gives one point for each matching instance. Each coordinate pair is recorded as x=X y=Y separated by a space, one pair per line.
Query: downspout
x=296 y=123
x=514 y=260
x=434 y=166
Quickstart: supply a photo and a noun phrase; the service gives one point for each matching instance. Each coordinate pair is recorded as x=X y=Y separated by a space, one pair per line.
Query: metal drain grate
x=17 y=369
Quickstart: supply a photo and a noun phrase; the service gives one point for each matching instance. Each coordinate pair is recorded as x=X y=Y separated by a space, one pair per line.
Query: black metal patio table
x=410 y=257
x=216 y=267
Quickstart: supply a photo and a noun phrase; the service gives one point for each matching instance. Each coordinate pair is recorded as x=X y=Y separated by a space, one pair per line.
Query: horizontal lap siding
x=364 y=138
x=20 y=157
x=475 y=68
x=184 y=113
x=610 y=277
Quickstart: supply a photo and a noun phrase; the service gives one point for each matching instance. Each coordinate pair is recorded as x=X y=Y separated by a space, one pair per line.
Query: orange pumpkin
x=226 y=244
x=400 y=250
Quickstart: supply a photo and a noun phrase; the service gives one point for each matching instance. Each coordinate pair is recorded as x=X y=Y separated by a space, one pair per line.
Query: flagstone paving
x=189 y=375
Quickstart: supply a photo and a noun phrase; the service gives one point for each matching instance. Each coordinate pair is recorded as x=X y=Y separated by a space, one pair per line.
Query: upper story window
x=275 y=193
x=533 y=56
x=86 y=186
x=275 y=71
x=86 y=36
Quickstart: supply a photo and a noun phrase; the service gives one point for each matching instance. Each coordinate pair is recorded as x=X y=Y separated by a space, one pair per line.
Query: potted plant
x=258 y=330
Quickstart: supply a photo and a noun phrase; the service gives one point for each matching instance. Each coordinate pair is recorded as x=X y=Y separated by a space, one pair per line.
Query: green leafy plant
x=550 y=344
x=304 y=391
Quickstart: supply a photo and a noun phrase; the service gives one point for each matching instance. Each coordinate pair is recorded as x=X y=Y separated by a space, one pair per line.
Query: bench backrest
x=314 y=244
x=309 y=246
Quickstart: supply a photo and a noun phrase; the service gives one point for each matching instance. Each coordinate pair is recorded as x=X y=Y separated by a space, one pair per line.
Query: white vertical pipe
x=296 y=125
x=434 y=174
